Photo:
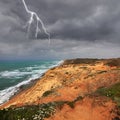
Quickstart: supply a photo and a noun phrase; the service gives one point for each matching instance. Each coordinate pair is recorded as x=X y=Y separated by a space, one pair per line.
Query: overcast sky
x=78 y=28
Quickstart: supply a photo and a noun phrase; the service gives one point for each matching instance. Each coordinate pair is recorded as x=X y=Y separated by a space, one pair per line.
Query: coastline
x=75 y=82
x=23 y=86
x=34 y=81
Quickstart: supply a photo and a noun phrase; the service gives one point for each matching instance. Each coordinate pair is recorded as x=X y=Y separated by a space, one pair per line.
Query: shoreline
x=24 y=88
x=79 y=88
x=32 y=82
x=49 y=75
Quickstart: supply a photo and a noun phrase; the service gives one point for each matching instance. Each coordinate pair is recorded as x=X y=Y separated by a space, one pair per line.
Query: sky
x=78 y=29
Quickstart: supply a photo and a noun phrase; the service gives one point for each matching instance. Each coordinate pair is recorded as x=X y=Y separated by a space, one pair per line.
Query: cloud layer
x=79 y=28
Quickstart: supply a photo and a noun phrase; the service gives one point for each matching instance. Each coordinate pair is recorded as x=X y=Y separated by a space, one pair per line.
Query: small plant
x=90 y=75
x=47 y=93
x=67 y=73
x=100 y=72
x=72 y=103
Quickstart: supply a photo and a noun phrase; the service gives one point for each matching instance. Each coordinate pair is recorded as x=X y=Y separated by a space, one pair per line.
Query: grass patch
x=38 y=112
x=112 y=92
x=72 y=103
x=35 y=112
x=47 y=93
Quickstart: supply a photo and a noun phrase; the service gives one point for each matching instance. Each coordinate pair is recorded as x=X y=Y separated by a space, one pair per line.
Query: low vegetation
x=35 y=112
x=80 y=61
x=47 y=93
x=113 y=62
x=112 y=92
x=40 y=112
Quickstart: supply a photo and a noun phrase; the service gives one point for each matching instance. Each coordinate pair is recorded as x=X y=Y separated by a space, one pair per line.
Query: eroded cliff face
x=90 y=108
x=77 y=78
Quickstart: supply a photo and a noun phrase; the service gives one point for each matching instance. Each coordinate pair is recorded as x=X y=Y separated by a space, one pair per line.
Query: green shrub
x=113 y=92
x=45 y=94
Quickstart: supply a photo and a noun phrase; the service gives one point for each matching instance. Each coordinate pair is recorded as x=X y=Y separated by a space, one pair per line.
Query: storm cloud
x=78 y=28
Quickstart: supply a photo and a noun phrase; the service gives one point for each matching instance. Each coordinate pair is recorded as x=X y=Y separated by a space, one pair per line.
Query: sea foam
x=36 y=73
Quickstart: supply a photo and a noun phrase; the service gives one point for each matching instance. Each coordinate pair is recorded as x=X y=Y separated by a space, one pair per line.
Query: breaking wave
x=35 y=72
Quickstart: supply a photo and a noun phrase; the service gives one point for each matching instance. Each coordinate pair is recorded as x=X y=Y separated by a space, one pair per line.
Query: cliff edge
x=78 y=89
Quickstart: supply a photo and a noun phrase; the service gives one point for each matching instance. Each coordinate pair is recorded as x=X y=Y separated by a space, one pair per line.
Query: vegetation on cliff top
x=112 y=92
x=109 y=62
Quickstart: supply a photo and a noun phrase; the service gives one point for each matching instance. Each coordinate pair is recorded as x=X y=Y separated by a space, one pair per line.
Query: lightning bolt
x=31 y=20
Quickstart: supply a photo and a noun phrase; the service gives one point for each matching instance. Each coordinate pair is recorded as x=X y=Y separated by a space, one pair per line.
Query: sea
x=14 y=74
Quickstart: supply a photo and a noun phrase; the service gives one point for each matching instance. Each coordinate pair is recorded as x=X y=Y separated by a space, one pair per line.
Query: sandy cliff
x=78 y=78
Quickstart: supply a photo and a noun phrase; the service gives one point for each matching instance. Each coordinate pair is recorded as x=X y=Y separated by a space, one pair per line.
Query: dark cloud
x=70 y=23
